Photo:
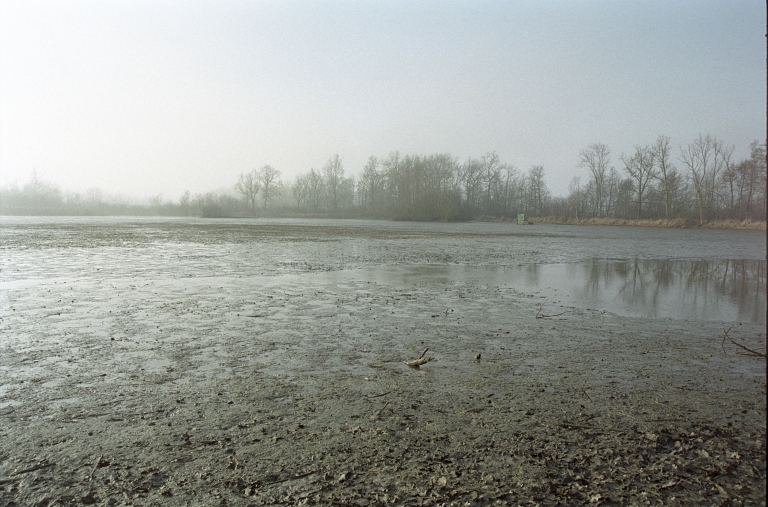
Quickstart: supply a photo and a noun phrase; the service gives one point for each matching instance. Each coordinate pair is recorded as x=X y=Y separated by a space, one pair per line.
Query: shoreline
x=679 y=223
x=222 y=391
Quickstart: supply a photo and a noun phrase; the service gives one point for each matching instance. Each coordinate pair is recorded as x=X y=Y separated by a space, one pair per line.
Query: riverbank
x=686 y=223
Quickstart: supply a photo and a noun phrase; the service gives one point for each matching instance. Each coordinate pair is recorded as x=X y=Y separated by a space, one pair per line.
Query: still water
x=713 y=290
x=690 y=274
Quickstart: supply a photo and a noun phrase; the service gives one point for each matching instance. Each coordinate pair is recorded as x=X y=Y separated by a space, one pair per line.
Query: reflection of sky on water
x=716 y=290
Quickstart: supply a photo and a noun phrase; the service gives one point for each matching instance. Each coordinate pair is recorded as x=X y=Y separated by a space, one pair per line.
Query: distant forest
x=700 y=181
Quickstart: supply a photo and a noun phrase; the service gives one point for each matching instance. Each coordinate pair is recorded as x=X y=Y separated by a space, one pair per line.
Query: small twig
x=378 y=395
x=381 y=410
x=90 y=477
x=3 y=482
x=541 y=307
x=753 y=352
x=34 y=468
x=584 y=392
x=415 y=363
x=539 y=316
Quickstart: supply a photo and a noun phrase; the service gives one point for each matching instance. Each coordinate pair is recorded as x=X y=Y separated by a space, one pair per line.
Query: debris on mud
x=421 y=360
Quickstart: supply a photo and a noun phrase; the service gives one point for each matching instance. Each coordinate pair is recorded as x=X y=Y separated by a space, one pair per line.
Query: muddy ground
x=156 y=372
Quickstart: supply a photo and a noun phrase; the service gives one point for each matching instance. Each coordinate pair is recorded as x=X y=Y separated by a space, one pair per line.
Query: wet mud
x=158 y=364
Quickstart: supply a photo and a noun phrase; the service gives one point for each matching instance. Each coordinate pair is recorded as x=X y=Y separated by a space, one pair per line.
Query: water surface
x=712 y=290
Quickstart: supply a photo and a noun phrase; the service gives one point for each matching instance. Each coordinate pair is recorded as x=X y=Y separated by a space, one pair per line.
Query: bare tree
x=300 y=190
x=471 y=176
x=597 y=159
x=371 y=184
x=333 y=173
x=491 y=169
x=537 y=190
x=666 y=173
x=249 y=185
x=640 y=167
x=267 y=176
x=705 y=158
x=752 y=180
x=612 y=191
x=314 y=189
x=576 y=196
x=184 y=202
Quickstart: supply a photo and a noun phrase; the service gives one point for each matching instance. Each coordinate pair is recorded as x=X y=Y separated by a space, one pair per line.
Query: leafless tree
x=666 y=173
x=705 y=158
x=268 y=175
x=314 y=189
x=576 y=196
x=491 y=170
x=537 y=190
x=249 y=185
x=300 y=190
x=333 y=174
x=597 y=159
x=371 y=184
x=640 y=167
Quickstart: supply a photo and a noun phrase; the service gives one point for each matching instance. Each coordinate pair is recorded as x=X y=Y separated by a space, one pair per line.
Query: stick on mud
x=753 y=352
x=415 y=363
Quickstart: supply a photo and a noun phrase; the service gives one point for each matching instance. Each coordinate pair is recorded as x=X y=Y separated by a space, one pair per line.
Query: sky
x=148 y=97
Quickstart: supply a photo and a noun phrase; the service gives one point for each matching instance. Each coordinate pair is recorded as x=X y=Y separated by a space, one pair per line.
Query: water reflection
x=716 y=290
x=704 y=290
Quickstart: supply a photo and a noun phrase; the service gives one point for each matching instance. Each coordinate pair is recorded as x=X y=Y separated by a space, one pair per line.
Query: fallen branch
x=415 y=363
x=753 y=352
x=540 y=316
x=34 y=468
x=378 y=395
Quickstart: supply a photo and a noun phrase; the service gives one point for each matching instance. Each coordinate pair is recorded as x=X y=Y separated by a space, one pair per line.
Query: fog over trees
x=699 y=180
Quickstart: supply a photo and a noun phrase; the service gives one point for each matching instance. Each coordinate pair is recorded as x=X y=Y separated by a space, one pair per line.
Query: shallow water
x=645 y=272
x=713 y=290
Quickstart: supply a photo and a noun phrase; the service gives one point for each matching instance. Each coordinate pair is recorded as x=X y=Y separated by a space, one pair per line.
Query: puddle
x=712 y=290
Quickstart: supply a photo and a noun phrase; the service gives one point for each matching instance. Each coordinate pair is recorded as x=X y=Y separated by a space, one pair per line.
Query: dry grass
x=687 y=223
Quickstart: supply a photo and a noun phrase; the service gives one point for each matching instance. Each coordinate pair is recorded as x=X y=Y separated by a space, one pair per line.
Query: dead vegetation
x=684 y=223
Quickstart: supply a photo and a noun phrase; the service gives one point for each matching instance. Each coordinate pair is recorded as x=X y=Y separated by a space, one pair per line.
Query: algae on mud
x=165 y=371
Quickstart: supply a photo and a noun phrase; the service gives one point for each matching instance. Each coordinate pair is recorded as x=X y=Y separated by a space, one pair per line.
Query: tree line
x=704 y=181
x=701 y=180
x=402 y=187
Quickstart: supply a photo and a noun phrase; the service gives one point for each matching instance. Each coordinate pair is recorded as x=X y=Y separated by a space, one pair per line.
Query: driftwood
x=415 y=363
x=752 y=352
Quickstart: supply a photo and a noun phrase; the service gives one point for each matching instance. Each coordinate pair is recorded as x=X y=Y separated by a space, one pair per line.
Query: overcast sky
x=148 y=97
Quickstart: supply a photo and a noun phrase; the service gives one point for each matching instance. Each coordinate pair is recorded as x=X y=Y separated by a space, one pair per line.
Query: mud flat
x=160 y=372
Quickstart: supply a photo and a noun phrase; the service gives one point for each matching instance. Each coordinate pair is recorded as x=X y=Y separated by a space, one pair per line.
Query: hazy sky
x=148 y=97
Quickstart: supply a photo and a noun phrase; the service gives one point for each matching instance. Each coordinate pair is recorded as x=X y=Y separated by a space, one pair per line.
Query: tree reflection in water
x=673 y=288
